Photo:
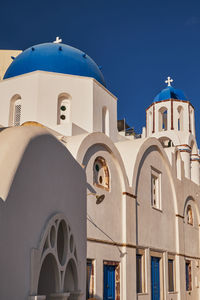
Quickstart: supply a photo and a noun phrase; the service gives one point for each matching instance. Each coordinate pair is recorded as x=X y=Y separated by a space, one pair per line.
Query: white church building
x=63 y=162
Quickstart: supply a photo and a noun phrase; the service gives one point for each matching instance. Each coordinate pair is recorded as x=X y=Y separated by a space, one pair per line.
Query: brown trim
x=188 y=151
x=153 y=118
x=172 y=115
x=138 y=247
x=92 y=240
x=195 y=159
x=189 y=117
x=110 y=262
x=177 y=215
x=184 y=145
x=130 y=195
x=149 y=106
x=175 y=100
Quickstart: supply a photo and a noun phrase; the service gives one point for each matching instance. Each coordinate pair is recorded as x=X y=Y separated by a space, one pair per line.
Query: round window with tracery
x=101 y=173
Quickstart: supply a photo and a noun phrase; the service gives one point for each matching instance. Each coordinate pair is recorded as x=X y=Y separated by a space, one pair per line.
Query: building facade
x=142 y=193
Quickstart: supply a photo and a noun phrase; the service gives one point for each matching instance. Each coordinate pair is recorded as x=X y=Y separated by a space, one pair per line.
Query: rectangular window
x=155 y=189
x=171 y=275
x=140 y=271
x=90 y=279
x=188 y=275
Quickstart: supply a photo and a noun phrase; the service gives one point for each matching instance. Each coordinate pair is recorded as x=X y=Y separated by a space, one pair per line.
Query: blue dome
x=53 y=57
x=170 y=93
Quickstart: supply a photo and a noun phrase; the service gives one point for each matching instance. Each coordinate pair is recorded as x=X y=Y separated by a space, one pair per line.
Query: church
x=89 y=209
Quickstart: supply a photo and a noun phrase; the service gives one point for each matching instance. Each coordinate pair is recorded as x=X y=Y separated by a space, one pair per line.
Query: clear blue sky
x=137 y=43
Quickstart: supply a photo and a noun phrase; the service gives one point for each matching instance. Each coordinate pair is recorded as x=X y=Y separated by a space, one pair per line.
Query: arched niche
x=180 y=118
x=63 y=108
x=150 y=124
x=105 y=120
x=49 y=277
x=163 y=118
x=15 y=110
x=191 y=213
x=71 y=277
x=178 y=165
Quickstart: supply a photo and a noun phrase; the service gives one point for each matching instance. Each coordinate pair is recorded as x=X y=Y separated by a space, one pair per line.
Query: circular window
x=63 y=108
x=62 y=238
x=62 y=117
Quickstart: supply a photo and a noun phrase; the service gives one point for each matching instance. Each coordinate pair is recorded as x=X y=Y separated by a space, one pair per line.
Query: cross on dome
x=168 y=81
x=58 y=40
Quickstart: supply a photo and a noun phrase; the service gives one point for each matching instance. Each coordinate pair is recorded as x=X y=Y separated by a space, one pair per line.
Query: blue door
x=155 y=278
x=109 y=282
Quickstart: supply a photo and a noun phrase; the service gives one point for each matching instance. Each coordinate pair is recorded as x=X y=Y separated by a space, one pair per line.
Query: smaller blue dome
x=170 y=93
x=51 y=57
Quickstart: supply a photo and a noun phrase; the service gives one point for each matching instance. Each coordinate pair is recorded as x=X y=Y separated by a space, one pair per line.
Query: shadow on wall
x=44 y=184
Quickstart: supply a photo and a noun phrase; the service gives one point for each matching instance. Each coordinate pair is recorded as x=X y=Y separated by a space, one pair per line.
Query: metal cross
x=58 y=40
x=168 y=81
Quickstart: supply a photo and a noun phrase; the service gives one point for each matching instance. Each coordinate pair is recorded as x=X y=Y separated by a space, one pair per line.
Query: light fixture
x=99 y=198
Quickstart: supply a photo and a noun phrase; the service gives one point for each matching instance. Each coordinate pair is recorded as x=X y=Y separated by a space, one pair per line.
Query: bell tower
x=170 y=118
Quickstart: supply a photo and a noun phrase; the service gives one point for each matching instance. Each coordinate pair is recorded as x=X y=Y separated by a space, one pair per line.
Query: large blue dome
x=53 y=57
x=170 y=93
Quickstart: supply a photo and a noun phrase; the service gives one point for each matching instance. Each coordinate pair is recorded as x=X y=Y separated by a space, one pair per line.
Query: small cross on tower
x=168 y=81
x=58 y=40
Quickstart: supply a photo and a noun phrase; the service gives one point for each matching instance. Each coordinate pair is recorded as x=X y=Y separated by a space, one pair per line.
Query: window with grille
x=17 y=113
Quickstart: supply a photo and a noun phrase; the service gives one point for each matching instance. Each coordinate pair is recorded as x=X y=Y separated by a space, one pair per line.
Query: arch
x=189 y=215
x=15 y=110
x=148 y=146
x=180 y=118
x=49 y=278
x=163 y=118
x=193 y=206
x=105 y=121
x=71 y=277
x=94 y=139
x=63 y=108
x=54 y=258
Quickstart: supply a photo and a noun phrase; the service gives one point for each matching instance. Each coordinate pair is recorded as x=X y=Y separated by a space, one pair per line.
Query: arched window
x=189 y=215
x=178 y=165
x=150 y=122
x=163 y=118
x=55 y=271
x=105 y=120
x=180 y=118
x=15 y=111
x=101 y=173
x=63 y=108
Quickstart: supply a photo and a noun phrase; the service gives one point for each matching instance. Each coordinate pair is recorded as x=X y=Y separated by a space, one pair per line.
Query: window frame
x=90 y=294
x=155 y=174
x=172 y=258
x=141 y=253
x=188 y=275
